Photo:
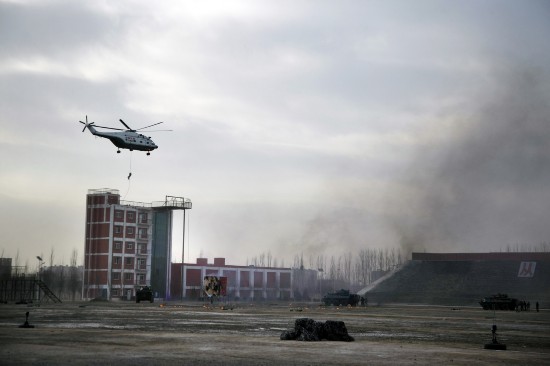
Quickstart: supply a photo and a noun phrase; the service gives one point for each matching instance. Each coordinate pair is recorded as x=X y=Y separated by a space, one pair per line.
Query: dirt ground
x=125 y=333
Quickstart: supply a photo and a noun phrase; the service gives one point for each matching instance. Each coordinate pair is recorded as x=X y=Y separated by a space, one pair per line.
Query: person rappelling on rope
x=130 y=174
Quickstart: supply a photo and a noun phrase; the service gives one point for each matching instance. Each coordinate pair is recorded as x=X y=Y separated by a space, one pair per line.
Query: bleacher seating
x=463 y=283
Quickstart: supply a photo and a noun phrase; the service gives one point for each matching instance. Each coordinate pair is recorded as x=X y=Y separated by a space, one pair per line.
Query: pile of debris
x=309 y=330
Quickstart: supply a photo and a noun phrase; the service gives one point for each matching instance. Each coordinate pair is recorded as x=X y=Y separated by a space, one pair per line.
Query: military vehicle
x=499 y=302
x=144 y=293
x=342 y=297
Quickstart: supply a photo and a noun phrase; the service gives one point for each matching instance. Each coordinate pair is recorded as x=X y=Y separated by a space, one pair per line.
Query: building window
x=118 y=214
x=143 y=233
x=118 y=245
x=141 y=262
x=141 y=278
x=116 y=276
x=128 y=261
x=118 y=229
x=143 y=218
x=130 y=245
x=131 y=216
x=142 y=248
x=116 y=260
x=114 y=292
x=130 y=230
x=128 y=276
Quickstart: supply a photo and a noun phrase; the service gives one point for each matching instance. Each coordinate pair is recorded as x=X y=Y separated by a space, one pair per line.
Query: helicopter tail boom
x=91 y=128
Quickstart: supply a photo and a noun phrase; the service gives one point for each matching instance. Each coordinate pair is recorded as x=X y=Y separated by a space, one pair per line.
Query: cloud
x=297 y=126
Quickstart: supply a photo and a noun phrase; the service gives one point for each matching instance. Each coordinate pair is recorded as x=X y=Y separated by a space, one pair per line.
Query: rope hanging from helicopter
x=129 y=176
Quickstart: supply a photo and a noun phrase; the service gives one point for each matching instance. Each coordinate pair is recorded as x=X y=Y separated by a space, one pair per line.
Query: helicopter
x=127 y=139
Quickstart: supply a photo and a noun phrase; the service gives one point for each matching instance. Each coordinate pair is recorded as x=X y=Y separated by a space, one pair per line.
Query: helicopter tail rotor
x=86 y=124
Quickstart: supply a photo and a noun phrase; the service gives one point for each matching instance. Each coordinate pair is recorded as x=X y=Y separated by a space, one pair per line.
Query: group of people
x=525 y=306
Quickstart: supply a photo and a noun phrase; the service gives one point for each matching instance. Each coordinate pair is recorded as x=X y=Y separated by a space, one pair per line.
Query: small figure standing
x=26 y=324
x=494 y=343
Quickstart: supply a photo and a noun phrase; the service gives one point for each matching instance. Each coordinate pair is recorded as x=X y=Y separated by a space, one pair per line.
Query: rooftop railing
x=103 y=191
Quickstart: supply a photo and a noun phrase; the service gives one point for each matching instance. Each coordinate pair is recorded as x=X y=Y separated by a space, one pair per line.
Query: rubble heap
x=309 y=330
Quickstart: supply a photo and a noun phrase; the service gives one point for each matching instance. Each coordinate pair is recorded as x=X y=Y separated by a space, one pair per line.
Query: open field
x=125 y=333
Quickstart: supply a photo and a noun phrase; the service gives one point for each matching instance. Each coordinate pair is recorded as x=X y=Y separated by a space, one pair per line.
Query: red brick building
x=127 y=245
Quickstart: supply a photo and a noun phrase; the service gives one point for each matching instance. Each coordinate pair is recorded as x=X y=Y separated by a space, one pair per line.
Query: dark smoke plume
x=488 y=185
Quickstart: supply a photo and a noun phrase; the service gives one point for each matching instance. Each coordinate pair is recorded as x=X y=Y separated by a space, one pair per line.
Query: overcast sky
x=314 y=127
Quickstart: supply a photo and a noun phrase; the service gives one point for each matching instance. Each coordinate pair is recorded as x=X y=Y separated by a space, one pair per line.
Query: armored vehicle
x=342 y=297
x=144 y=293
x=498 y=302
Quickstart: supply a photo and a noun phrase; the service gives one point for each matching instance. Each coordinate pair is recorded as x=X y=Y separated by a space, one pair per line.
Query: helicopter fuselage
x=127 y=139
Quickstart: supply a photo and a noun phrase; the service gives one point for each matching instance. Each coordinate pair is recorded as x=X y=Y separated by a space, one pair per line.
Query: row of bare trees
x=65 y=281
x=540 y=247
x=354 y=268
x=350 y=268
x=265 y=260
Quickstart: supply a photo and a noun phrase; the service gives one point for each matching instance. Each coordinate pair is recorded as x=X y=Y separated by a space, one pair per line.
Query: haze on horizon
x=299 y=127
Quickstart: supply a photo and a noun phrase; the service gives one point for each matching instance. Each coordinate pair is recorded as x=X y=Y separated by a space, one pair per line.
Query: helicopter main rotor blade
x=125 y=125
x=154 y=124
x=159 y=131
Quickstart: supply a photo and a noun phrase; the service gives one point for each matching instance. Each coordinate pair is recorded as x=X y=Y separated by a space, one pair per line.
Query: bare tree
x=363 y=270
x=52 y=252
x=59 y=279
x=347 y=267
x=16 y=263
x=332 y=270
x=296 y=261
x=319 y=263
x=74 y=283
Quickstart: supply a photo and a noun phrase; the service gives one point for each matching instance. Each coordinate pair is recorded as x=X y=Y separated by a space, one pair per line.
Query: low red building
x=243 y=282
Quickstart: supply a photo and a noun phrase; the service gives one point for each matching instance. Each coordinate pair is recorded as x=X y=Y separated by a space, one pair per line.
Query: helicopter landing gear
x=118 y=151
x=148 y=153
